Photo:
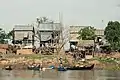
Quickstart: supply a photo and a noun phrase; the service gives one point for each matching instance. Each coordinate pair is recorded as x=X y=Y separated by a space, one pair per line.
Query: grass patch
x=38 y=56
x=114 y=68
x=105 y=60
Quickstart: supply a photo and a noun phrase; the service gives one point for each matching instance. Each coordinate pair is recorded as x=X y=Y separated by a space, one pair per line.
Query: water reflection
x=55 y=75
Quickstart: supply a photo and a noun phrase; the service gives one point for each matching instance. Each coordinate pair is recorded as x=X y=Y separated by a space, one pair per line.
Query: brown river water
x=55 y=75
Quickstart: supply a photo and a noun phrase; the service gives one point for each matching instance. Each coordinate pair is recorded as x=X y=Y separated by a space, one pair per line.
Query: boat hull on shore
x=62 y=69
x=8 y=68
x=33 y=67
x=81 y=68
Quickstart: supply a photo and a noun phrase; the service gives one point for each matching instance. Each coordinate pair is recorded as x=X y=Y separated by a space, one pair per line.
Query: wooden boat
x=8 y=68
x=52 y=67
x=33 y=67
x=30 y=67
x=61 y=69
x=81 y=68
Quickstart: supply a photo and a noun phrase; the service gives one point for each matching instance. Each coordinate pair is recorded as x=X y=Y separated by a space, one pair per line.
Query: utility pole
x=94 y=46
x=38 y=32
x=61 y=27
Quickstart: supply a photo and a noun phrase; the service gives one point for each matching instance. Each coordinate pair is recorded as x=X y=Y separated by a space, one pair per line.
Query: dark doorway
x=74 y=43
x=98 y=39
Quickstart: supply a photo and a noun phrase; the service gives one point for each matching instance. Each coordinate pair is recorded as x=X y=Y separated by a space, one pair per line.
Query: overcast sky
x=75 y=12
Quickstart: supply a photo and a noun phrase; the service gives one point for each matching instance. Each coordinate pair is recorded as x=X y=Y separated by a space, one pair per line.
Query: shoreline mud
x=21 y=62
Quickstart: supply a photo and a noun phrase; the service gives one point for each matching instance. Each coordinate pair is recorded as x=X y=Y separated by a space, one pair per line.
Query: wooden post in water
x=94 y=48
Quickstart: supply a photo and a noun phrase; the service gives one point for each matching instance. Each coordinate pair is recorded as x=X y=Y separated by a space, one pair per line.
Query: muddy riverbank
x=21 y=61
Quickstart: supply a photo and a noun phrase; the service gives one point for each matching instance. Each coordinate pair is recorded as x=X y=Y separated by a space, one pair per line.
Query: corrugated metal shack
x=23 y=35
x=50 y=35
x=49 y=32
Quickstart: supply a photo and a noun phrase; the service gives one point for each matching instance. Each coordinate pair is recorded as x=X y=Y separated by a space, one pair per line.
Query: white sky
x=75 y=12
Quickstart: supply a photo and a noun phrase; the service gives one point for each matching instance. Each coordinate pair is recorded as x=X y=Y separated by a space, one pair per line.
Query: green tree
x=87 y=33
x=10 y=34
x=2 y=36
x=112 y=34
